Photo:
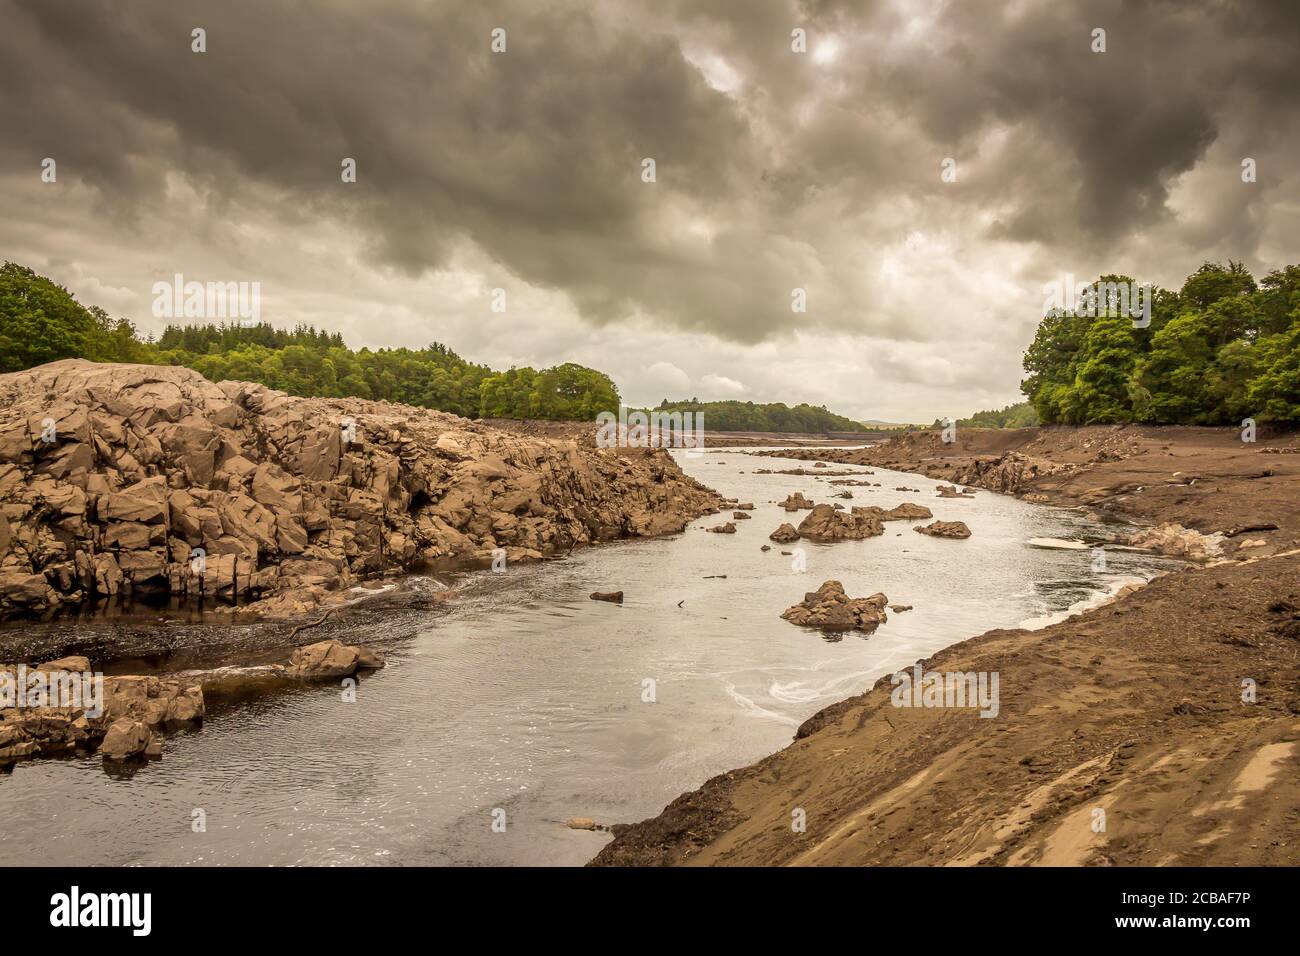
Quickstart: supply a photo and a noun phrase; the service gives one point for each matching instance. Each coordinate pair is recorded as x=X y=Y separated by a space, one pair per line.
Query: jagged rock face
x=120 y=477
x=796 y=502
x=945 y=529
x=824 y=523
x=830 y=609
x=1007 y=474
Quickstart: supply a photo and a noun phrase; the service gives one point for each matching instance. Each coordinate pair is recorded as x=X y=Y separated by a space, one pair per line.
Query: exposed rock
x=1007 y=474
x=830 y=609
x=746 y=506
x=796 y=502
x=907 y=512
x=900 y=608
x=126 y=738
x=784 y=534
x=824 y=523
x=741 y=515
x=326 y=659
x=948 y=491
x=945 y=529
x=615 y=596
x=1177 y=541
x=727 y=528
x=580 y=823
x=76 y=664
x=161 y=480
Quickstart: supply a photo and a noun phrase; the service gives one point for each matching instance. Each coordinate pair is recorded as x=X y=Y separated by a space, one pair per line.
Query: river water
x=525 y=703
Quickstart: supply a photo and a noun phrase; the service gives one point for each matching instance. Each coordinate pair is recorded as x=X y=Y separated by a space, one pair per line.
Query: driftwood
x=316 y=623
x=1268 y=526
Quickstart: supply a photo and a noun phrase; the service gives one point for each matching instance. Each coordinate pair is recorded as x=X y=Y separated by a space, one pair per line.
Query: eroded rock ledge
x=117 y=478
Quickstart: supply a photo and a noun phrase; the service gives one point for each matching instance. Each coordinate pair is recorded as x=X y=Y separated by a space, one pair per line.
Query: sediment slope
x=113 y=477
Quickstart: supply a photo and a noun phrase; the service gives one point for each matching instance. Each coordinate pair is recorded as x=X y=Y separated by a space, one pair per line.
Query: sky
x=921 y=170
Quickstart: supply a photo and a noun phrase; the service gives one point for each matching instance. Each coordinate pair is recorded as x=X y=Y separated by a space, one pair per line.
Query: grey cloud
x=801 y=176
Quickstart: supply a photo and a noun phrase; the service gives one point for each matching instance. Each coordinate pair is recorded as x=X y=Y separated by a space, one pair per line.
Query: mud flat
x=1162 y=728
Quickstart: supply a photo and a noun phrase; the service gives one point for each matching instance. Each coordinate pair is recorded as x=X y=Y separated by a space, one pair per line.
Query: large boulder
x=830 y=609
x=826 y=524
x=126 y=738
x=784 y=534
x=326 y=659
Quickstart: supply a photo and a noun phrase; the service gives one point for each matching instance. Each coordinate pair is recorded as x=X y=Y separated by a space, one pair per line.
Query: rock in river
x=830 y=609
x=826 y=524
x=945 y=529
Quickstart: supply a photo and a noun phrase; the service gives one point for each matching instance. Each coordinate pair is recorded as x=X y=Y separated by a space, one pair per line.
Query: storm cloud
x=775 y=170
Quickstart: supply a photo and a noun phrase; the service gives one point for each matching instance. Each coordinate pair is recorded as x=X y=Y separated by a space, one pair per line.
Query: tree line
x=41 y=322
x=1221 y=349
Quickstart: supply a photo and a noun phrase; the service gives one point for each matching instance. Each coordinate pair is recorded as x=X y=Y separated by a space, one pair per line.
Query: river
x=524 y=703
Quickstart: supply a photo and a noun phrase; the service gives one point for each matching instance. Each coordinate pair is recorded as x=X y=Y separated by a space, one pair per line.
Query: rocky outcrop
x=825 y=524
x=796 y=502
x=126 y=478
x=1007 y=474
x=784 y=534
x=131 y=715
x=1177 y=541
x=614 y=597
x=830 y=609
x=727 y=528
x=945 y=529
x=948 y=491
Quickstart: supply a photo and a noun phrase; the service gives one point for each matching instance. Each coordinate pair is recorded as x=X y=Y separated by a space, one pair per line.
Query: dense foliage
x=41 y=322
x=1221 y=349
x=733 y=416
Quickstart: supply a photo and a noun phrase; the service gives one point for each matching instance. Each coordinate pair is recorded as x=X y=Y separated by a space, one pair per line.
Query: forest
x=1221 y=349
x=41 y=322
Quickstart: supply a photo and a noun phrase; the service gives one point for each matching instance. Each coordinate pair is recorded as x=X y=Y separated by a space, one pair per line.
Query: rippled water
x=527 y=697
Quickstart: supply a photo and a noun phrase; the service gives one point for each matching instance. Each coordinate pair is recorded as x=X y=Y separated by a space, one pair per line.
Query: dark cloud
x=774 y=170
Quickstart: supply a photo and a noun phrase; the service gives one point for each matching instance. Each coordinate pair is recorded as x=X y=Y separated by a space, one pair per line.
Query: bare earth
x=1134 y=710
